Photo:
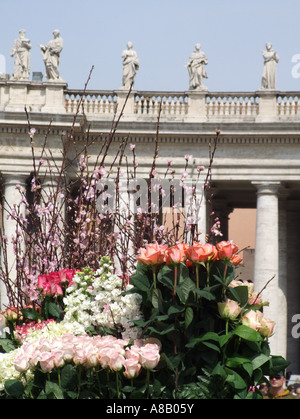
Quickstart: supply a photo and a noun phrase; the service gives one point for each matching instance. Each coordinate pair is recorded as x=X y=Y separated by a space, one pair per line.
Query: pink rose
x=46 y=360
x=79 y=357
x=176 y=254
x=226 y=249
x=198 y=252
x=21 y=362
x=116 y=361
x=92 y=359
x=132 y=368
x=58 y=358
x=133 y=353
x=266 y=327
x=68 y=351
x=230 y=309
x=150 y=356
x=104 y=356
x=251 y=320
x=153 y=254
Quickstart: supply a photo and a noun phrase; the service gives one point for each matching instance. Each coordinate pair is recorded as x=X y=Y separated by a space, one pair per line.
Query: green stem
x=197 y=276
x=224 y=279
x=58 y=376
x=175 y=279
x=154 y=268
x=118 y=385
x=79 y=379
x=148 y=383
x=207 y=277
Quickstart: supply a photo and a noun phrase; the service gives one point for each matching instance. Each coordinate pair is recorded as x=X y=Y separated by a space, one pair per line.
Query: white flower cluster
x=96 y=299
x=7 y=368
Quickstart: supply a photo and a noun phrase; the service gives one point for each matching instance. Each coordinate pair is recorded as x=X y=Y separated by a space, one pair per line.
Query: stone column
x=282 y=277
x=12 y=198
x=266 y=265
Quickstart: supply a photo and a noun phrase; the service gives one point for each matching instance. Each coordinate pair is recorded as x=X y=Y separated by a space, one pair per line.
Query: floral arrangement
x=54 y=352
x=182 y=318
x=96 y=299
x=118 y=305
x=211 y=325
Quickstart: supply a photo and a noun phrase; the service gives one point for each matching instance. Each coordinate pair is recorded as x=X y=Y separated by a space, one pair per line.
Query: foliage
x=195 y=338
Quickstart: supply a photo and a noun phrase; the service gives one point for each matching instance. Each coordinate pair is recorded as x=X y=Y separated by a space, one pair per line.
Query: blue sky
x=232 y=33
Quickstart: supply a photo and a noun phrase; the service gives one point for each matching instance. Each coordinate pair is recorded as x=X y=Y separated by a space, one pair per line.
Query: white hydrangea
x=54 y=330
x=7 y=368
x=96 y=299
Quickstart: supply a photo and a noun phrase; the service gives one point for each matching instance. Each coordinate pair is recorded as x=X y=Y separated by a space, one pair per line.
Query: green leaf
x=277 y=364
x=211 y=346
x=14 y=388
x=54 y=310
x=31 y=314
x=224 y=339
x=239 y=294
x=7 y=345
x=189 y=316
x=166 y=276
x=185 y=287
x=69 y=377
x=54 y=391
x=247 y=333
x=205 y=338
x=141 y=282
x=259 y=360
x=175 y=309
x=237 y=361
x=164 y=331
x=235 y=380
x=205 y=294
x=157 y=300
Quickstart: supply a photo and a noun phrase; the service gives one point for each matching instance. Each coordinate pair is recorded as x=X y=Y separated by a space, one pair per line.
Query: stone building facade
x=256 y=165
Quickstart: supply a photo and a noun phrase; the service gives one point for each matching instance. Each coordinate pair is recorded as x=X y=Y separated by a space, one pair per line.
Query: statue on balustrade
x=21 y=52
x=51 y=56
x=270 y=68
x=131 y=64
x=196 y=68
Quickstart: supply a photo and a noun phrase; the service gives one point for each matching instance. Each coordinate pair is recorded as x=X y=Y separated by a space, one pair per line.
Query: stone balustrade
x=204 y=106
x=229 y=106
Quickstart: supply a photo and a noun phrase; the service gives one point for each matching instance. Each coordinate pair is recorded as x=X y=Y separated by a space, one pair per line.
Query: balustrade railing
x=232 y=104
x=94 y=102
x=288 y=103
x=217 y=105
x=171 y=103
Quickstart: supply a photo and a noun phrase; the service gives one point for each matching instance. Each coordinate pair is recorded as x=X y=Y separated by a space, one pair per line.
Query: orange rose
x=152 y=254
x=176 y=254
x=226 y=250
x=199 y=252
x=236 y=260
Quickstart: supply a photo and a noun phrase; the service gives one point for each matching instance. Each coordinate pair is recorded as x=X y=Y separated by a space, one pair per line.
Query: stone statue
x=131 y=64
x=51 y=56
x=196 y=68
x=21 y=51
x=270 y=68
